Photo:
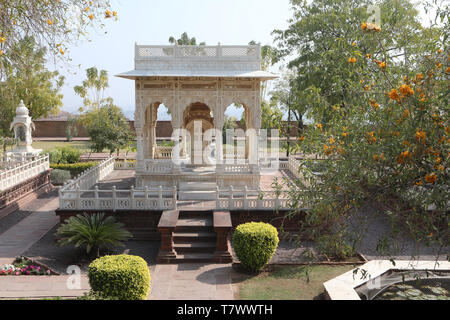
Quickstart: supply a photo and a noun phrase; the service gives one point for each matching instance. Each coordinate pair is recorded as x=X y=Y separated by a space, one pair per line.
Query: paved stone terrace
x=124 y=179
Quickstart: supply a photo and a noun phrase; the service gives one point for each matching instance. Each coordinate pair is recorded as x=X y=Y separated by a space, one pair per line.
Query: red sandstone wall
x=57 y=129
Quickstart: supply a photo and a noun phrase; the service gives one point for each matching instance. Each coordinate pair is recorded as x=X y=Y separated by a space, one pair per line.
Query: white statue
x=23 y=126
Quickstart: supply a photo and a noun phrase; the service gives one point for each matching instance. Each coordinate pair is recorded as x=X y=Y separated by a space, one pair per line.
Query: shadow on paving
x=15 y=217
x=58 y=258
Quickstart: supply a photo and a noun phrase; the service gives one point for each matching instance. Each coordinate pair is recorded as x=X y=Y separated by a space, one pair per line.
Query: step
x=191 y=237
x=195 y=222
x=197 y=195
x=197 y=186
x=194 y=258
x=199 y=247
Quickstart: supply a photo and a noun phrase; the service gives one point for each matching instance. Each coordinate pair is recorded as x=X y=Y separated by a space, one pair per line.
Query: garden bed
x=24 y=266
x=46 y=252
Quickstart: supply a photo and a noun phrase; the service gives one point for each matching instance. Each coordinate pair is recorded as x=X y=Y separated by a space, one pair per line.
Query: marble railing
x=145 y=199
x=20 y=171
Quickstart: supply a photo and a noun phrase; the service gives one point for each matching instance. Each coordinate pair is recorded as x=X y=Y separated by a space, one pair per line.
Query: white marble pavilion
x=196 y=84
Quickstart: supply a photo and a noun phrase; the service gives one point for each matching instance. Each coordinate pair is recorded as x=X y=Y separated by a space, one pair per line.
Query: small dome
x=21 y=109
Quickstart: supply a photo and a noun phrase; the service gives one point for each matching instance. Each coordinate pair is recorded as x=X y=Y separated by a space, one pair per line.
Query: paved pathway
x=24 y=234
x=192 y=281
x=36 y=287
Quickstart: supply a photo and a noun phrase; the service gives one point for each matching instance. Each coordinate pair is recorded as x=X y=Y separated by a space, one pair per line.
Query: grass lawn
x=48 y=145
x=290 y=283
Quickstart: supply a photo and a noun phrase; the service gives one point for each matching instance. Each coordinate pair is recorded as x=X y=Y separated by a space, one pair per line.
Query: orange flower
x=91 y=16
x=61 y=51
x=375 y=157
x=301 y=138
x=419 y=183
x=406 y=90
x=1 y=52
x=421 y=136
x=107 y=14
x=2 y=39
x=448 y=70
x=406 y=113
x=364 y=26
x=345 y=134
x=370 y=137
x=319 y=125
x=351 y=60
x=393 y=94
x=382 y=65
x=368 y=56
x=50 y=22
x=332 y=140
x=419 y=77
x=86 y=9
x=431 y=178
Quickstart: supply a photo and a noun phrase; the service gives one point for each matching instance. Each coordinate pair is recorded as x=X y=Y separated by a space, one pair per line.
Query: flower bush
x=386 y=142
x=23 y=266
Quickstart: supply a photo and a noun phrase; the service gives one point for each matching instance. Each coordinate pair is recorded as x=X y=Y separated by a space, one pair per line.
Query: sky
x=152 y=22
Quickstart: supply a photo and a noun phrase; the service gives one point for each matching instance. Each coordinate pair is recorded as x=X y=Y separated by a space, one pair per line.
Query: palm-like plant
x=93 y=231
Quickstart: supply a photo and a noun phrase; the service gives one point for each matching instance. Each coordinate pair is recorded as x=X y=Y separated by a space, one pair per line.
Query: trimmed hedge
x=123 y=277
x=58 y=176
x=74 y=168
x=254 y=244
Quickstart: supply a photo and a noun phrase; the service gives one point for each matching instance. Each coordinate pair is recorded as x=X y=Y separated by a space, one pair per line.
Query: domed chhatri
x=22 y=110
x=23 y=126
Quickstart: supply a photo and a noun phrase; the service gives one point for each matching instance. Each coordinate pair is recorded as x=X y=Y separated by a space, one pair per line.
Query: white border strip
x=343 y=286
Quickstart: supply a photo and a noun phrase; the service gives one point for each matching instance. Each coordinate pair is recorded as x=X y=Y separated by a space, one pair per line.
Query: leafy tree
x=92 y=89
x=93 y=231
x=321 y=31
x=380 y=112
x=108 y=128
x=54 y=24
x=71 y=129
x=26 y=78
x=185 y=40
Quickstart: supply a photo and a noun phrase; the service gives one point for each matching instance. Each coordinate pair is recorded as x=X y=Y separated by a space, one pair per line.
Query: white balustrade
x=234 y=198
x=132 y=199
x=164 y=152
x=16 y=172
x=124 y=165
x=158 y=167
x=294 y=166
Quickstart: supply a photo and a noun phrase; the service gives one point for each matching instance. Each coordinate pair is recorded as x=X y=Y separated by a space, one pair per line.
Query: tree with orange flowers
x=381 y=123
x=55 y=24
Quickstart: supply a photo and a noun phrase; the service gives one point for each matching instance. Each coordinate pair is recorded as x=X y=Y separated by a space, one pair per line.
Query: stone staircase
x=194 y=237
x=197 y=190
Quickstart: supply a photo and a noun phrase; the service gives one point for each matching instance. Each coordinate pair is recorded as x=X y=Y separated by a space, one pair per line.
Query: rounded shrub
x=123 y=277
x=254 y=244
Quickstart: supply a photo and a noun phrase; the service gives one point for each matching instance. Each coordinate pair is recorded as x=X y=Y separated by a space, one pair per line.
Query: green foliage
x=93 y=88
x=334 y=246
x=379 y=102
x=25 y=77
x=74 y=168
x=93 y=231
x=55 y=24
x=124 y=277
x=185 y=40
x=71 y=129
x=64 y=155
x=58 y=177
x=108 y=129
x=255 y=243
